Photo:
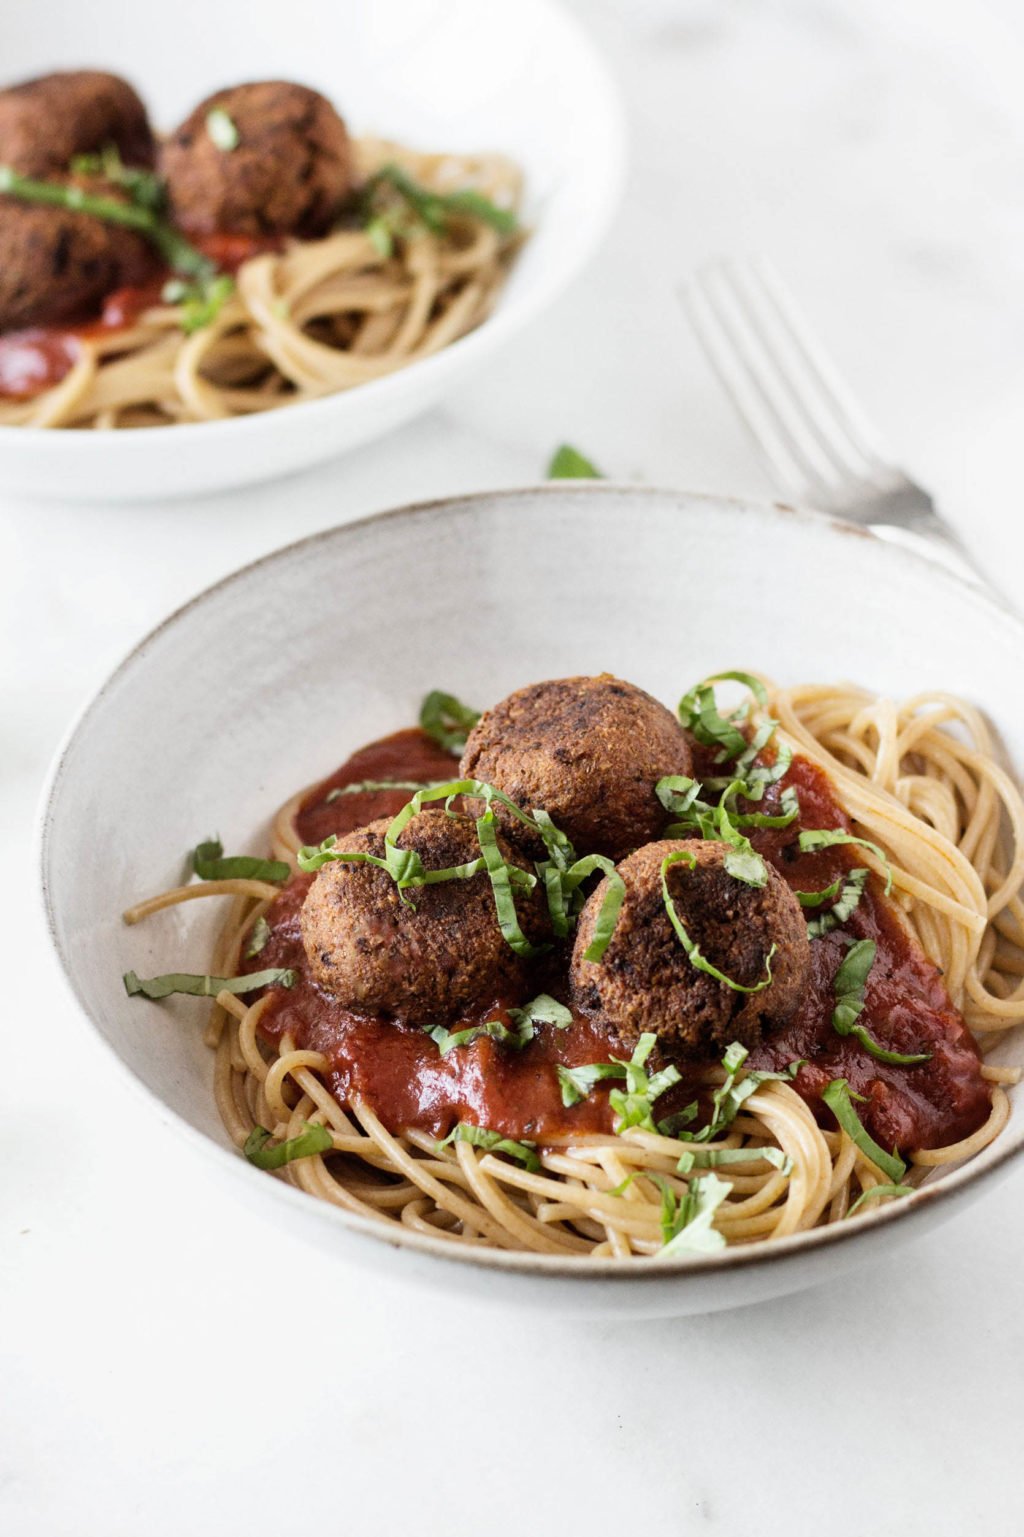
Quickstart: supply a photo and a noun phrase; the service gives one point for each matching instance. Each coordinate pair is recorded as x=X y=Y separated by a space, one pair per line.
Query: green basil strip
x=209 y=864
x=373 y=786
x=815 y=838
x=718 y=1157
x=577 y=1082
x=172 y=246
x=567 y=463
x=493 y=1142
x=838 y=1098
x=679 y=797
x=678 y=794
x=258 y=938
x=222 y=129
x=199 y=301
x=684 y=856
x=204 y=987
x=447 y=720
x=540 y=1010
x=611 y=904
x=849 y=898
x=311 y=858
x=788 y=802
x=850 y=982
x=633 y=1106
x=879 y=1192
x=433 y=208
x=729 y=1098
x=816 y=898
x=315 y=1139
x=501 y=886
x=145 y=188
x=698 y=714
x=686 y=1222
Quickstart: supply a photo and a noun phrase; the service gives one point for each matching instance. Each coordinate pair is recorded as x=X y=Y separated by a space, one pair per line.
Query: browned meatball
x=57 y=265
x=646 y=981
x=589 y=751
x=44 y=123
x=288 y=173
x=430 y=964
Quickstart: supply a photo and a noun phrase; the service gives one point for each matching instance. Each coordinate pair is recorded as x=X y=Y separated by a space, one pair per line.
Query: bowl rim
x=503 y=321
x=993 y=1160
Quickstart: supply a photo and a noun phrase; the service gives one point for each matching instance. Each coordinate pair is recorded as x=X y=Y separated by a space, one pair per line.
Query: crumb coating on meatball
x=57 y=265
x=589 y=751
x=45 y=123
x=425 y=964
x=288 y=174
x=646 y=982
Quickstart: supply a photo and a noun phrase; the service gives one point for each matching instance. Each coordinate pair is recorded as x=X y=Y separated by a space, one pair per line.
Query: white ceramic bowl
x=450 y=74
x=269 y=679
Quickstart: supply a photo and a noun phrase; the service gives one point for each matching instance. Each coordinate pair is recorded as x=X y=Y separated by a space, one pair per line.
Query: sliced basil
x=222 y=129
x=611 y=904
x=447 y=720
x=632 y=1106
x=258 y=938
x=729 y=1097
x=568 y=463
x=850 y=982
x=698 y=714
x=204 y=986
x=815 y=838
x=839 y=1098
x=540 y=1010
x=373 y=786
x=209 y=864
x=719 y=1157
x=849 y=898
x=315 y=1139
x=493 y=1142
x=693 y=952
x=145 y=188
x=433 y=209
x=877 y=1193
x=686 y=1222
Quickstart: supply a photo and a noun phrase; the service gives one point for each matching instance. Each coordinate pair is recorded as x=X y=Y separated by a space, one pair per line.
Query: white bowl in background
x=523 y=79
x=269 y=679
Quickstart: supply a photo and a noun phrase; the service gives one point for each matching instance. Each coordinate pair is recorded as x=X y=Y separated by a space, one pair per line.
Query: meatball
x=428 y=964
x=288 y=174
x=44 y=123
x=589 y=751
x=57 y=265
x=645 y=979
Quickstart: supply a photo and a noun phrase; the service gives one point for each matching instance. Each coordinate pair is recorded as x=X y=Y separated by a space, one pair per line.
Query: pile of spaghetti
x=921 y=782
x=420 y=265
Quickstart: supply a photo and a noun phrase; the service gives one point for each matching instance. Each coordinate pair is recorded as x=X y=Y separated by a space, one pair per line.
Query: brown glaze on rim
x=945 y=1192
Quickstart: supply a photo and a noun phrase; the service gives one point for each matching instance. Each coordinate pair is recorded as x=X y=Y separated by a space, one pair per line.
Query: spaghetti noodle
x=314 y=318
x=923 y=781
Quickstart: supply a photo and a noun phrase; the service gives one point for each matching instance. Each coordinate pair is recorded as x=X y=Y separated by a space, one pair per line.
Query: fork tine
x=838 y=407
x=752 y=380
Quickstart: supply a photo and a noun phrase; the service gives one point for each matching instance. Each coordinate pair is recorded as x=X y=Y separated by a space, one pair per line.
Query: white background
x=171 y=1364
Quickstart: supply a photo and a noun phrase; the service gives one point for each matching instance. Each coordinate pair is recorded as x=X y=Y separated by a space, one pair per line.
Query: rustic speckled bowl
x=267 y=680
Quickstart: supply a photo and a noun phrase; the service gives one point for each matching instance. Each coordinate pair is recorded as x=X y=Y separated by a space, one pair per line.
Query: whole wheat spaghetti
x=921 y=779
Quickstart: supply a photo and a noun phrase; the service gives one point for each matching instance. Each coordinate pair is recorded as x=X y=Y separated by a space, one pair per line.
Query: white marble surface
x=169 y=1364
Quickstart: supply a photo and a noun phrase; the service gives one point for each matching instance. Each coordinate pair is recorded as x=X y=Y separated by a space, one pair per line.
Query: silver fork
x=819 y=446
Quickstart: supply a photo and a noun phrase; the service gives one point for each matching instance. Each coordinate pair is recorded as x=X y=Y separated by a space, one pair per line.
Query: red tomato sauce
x=35 y=360
x=401 y=1074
